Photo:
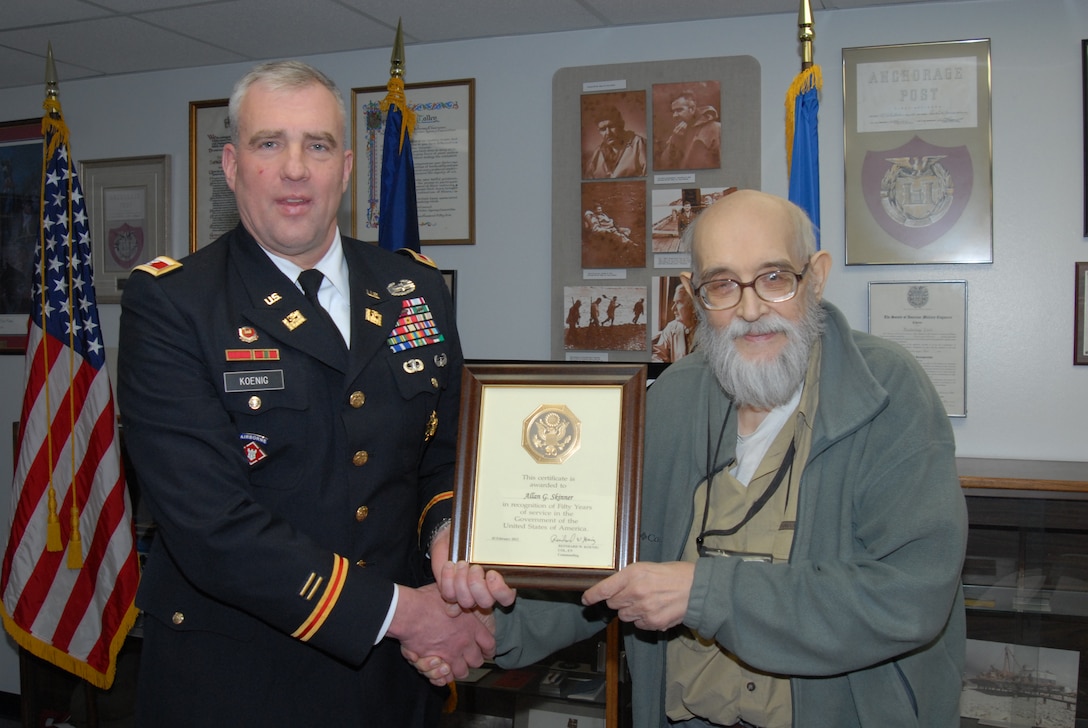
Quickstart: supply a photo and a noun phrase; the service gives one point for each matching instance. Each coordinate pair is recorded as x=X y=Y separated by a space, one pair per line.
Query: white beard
x=762 y=385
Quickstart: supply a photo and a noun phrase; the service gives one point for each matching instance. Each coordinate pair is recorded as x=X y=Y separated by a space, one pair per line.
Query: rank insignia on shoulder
x=401 y=288
x=417 y=257
x=159 y=266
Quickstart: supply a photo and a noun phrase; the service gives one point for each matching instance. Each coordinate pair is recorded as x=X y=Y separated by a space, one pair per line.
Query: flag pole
x=398 y=217
x=806 y=33
x=802 y=134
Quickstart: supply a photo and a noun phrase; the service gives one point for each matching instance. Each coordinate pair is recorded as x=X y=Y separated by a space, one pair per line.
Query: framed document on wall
x=917 y=146
x=212 y=210
x=443 y=152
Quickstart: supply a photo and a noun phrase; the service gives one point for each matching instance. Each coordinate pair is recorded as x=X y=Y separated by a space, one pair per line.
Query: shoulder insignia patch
x=160 y=266
x=418 y=257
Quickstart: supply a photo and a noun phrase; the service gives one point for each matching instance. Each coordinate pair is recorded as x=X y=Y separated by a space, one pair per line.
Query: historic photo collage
x=630 y=139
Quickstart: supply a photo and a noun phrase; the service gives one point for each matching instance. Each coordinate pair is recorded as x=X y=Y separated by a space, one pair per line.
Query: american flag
x=70 y=570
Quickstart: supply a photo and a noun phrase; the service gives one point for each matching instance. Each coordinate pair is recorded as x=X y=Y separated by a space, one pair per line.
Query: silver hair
x=279 y=75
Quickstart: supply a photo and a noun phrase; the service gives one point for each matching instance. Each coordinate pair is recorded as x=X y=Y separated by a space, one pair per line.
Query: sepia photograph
x=687 y=125
x=674 y=320
x=614 y=225
x=672 y=210
x=605 y=318
x=614 y=135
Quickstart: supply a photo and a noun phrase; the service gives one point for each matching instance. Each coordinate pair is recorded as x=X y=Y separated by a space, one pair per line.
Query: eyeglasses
x=773 y=286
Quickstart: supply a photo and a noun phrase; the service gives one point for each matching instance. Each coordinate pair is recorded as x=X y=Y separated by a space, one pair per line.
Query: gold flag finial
x=52 y=86
x=806 y=33
x=396 y=61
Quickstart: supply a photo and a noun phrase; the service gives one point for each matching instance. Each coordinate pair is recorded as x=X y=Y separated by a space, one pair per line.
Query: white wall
x=1025 y=399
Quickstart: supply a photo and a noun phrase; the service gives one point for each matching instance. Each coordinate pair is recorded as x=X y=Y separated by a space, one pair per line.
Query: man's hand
x=650 y=595
x=434 y=668
x=423 y=627
x=467 y=586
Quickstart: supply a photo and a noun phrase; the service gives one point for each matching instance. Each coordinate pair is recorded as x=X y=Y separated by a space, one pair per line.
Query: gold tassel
x=75 y=543
x=808 y=79
x=396 y=97
x=52 y=531
x=451 y=701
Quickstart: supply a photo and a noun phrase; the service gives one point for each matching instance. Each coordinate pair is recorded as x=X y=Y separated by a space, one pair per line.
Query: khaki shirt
x=703 y=679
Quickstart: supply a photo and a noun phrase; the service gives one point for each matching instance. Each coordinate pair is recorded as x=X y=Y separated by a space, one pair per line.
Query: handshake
x=448 y=627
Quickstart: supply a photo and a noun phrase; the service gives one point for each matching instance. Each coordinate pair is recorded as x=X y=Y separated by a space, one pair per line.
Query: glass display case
x=1025 y=581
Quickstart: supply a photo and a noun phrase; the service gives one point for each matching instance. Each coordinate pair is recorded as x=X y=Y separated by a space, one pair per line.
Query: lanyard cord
x=785 y=466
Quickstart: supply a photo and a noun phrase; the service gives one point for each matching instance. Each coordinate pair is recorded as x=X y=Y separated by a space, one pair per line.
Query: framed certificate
x=549 y=471
x=212 y=210
x=444 y=154
x=929 y=318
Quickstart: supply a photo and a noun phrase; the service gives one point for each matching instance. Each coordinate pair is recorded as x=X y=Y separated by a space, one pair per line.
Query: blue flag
x=803 y=143
x=398 y=219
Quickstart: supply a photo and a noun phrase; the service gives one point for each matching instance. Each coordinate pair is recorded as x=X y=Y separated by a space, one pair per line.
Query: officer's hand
x=651 y=596
x=423 y=627
x=434 y=668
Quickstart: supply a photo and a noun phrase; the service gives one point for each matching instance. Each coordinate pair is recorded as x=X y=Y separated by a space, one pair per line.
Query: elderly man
x=803 y=526
x=290 y=400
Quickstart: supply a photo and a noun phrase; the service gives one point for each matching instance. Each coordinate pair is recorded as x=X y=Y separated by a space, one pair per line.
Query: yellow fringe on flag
x=806 y=80
x=396 y=97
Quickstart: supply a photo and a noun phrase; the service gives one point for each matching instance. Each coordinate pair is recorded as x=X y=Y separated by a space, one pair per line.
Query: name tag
x=253 y=381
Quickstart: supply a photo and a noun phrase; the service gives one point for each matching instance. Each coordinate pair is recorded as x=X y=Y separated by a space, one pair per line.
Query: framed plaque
x=917 y=145
x=549 y=471
x=212 y=210
x=128 y=202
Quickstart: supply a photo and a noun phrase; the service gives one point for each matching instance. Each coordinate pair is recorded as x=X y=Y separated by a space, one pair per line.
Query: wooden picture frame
x=212 y=210
x=918 y=159
x=527 y=433
x=1080 y=315
x=128 y=202
x=20 y=188
x=443 y=151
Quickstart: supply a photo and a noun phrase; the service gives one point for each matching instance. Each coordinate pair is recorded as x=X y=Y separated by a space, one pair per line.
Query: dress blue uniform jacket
x=292 y=482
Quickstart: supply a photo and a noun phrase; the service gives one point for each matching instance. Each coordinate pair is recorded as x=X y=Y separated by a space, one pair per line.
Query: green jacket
x=867 y=617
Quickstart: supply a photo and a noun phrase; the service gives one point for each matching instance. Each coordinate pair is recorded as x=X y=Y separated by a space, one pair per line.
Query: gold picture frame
x=212 y=210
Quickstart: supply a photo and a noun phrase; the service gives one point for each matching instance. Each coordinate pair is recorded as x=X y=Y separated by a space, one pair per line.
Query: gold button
x=361 y=562
x=254 y=402
x=434 y=382
x=361 y=513
x=178 y=618
x=357 y=399
x=360 y=457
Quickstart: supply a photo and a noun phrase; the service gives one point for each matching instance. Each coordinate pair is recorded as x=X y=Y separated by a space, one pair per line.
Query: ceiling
x=93 y=38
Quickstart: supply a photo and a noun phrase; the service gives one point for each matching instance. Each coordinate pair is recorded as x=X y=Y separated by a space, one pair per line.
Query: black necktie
x=310 y=280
